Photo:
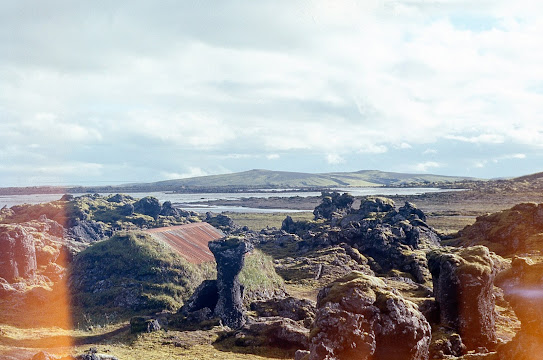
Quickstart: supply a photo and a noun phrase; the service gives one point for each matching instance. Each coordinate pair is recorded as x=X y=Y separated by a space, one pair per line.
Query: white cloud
x=518 y=156
x=191 y=172
x=403 y=146
x=334 y=159
x=335 y=78
x=429 y=152
x=238 y=156
x=426 y=166
x=373 y=149
x=479 y=139
x=480 y=164
x=273 y=156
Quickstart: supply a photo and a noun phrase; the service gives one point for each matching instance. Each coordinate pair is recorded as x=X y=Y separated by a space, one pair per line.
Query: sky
x=109 y=92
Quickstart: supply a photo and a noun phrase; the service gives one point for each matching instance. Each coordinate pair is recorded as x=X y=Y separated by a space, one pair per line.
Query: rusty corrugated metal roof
x=190 y=240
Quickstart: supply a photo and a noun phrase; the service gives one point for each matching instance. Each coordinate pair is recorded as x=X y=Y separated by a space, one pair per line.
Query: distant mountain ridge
x=286 y=179
x=262 y=179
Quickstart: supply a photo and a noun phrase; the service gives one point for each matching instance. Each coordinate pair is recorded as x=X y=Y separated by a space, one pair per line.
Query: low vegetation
x=258 y=221
x=130 y=273
x=258 y=276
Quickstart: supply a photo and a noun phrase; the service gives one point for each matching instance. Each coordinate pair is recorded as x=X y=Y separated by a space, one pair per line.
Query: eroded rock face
x=360 y=317
x=374 y=204
x=17 y=253
x=333 y=203
x=221 y=222
x=401 y=246
x=205 y=296
x=88 y=231
x=463 y=281
x=393 y=240
x=273 y=331
x=523 y=289
x=508 y=232
x=148 y=206
x=169 y=210
x=230 y=257
x=289 y=307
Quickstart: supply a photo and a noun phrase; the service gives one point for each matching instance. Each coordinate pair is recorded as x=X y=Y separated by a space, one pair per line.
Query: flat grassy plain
x=258 y=221
x=116 y=340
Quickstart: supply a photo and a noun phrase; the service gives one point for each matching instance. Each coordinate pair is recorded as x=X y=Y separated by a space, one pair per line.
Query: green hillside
x=258 y=179
x=284 y=179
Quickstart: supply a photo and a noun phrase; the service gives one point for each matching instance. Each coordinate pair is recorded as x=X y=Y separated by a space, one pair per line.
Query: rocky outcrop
x=360 y=317
x=258 y=282
x=375 y=204
x=91 y=354
x=400 y=246
x=168 y=209
x=117 y=198
x=221 y=222
x=18 y=253
x=88 y=231
x=140 y=324
x=48 y=226
x=390 y=239
x=333 y=203
x=523 y=289
x=289 y=307
x=205 y=296
x=410 y=212
x=323 y=265
x=508 y=232
x=280 y=332
x=446 y=343
x=463 y=282
x=149 y=206
x=230 y=257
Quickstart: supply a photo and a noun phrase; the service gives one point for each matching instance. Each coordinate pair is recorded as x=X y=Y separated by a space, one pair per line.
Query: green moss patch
x=130 y=273
x=258 y=274
x=370 y=285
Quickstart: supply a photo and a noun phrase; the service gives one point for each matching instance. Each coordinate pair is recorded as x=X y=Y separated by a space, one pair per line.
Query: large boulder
x=220 y=221
x=288 y=307
x=140 y=324
x=88 y=231
x=148 y=205
x=401 y=246
x=323 y=266
x=230 y=257
x=463 y=287
x=119 y=198
x=17 y=254
x=333 y=203
x=360 y=317
x=509 y=232
x=273 y=331
x=410 y=212
x=169 y=210
x=373 y=204
x=393 y=240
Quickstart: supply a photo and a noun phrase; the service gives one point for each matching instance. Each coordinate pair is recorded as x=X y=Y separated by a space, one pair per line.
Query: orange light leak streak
x=56 y=311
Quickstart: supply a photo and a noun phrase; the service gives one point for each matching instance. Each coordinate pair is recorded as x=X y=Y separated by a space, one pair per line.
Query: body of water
x=187 y=201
